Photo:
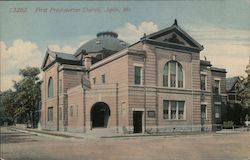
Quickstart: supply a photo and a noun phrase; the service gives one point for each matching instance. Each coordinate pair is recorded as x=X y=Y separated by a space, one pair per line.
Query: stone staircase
x=100 y=132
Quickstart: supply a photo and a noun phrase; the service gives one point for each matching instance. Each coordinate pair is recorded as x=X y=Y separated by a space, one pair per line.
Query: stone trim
x=172 y=45
x=115 y=57
x=138 y=109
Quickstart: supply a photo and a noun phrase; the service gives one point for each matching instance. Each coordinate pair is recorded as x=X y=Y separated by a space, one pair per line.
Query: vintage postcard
x=121 y=80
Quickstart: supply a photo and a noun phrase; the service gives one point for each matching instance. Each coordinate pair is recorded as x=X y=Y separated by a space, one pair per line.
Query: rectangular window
x=71 y=111
x=203 y=82
x=203 y=111
x=151 y=114
x=217 y=111
x=138 y=75
x=165 y=109
x=103 y=79
x=60 y=113
x=94 y=80
x=173 y=110
x=181 y=110
x=50 y=114
x=216 y=86
x=238 y=98
x=232 y=97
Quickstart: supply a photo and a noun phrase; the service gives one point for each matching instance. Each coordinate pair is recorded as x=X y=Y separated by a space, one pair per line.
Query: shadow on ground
x=16 y=137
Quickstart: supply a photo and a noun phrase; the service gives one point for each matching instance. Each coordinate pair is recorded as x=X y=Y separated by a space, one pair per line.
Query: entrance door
x=98 y=121
x=203 y=116
x=137 y=121
x=100 y=115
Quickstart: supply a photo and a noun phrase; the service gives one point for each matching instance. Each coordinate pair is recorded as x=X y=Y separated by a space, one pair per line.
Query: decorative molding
x=138 y=109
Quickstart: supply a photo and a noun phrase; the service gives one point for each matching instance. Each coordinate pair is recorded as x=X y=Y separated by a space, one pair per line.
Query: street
x=211 y=146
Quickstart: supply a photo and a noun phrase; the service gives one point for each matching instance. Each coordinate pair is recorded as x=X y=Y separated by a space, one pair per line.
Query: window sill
x=174 y=120
x=173 y=87
x=215 y=94
x=151 y=118
x=205 y=91
x=219 y=94
x=50 y=99
x=138 y=85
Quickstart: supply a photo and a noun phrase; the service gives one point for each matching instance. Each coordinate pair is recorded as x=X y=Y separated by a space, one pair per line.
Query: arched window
x=50 y=87
x=180 y=76
x=173 y=75
x=165 y=75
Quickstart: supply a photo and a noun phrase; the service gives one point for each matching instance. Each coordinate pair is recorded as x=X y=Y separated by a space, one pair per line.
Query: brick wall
x=49 y=101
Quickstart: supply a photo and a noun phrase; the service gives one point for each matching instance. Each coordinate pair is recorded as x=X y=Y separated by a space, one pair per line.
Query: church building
x=158 y=84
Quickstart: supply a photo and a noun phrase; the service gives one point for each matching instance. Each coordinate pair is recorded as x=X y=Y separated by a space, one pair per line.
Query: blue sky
x=221 y=26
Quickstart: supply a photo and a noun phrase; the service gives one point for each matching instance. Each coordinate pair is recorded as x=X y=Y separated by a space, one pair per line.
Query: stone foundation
x=130 y=129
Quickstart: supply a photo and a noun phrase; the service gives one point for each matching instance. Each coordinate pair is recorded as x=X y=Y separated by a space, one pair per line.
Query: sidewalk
x=99 y=134
x=236 y=130
x=49 y=133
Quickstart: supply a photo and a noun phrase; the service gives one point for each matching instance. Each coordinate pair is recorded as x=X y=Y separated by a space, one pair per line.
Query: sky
x=28 y=28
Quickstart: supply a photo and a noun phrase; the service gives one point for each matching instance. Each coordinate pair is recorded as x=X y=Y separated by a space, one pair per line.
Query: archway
x=100 y=113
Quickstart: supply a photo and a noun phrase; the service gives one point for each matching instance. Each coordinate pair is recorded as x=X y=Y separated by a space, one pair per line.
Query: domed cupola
x=105 y=44
x=107 y=33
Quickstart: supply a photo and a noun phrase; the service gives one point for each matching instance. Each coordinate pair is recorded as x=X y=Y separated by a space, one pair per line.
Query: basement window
x=50 y=114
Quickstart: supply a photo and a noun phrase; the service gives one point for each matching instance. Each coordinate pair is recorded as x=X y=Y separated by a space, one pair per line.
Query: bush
x=228 y=124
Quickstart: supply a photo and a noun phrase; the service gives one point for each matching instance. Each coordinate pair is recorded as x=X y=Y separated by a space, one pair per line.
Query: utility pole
x=0 y=101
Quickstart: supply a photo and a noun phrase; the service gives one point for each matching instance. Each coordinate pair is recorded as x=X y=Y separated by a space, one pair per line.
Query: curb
x=39 y=133
x=176 y=134
x=159 y=135
x=34 y=133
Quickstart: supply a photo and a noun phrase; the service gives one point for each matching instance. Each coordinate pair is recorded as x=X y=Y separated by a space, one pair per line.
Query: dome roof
x=107 y=41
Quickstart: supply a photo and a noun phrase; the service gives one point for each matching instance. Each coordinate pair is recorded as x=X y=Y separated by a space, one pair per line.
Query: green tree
x=9 y=106
x=20 y=104
x=245 y=98
x=245 y=93
x=27 y=94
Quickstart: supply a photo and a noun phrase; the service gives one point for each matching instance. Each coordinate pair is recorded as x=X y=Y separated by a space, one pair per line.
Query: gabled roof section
x=64 y=58
x=230 y=82
x=173 y=37
x=46 y=60
x=216 y=69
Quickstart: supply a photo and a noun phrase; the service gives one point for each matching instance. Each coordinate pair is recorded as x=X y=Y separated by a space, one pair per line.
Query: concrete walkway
x=48 y=133
x=100 y=133
x=95 y=133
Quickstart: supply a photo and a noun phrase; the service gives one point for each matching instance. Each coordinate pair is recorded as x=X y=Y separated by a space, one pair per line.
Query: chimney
x=87 y=60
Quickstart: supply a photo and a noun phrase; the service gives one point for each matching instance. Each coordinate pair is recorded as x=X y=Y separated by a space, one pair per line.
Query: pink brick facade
x=128 y=104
